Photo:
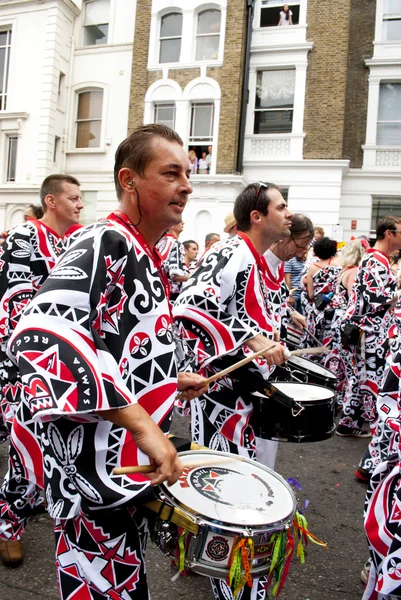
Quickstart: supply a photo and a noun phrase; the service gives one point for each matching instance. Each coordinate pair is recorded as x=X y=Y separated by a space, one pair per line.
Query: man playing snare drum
x=226 y=314
x=96 y=351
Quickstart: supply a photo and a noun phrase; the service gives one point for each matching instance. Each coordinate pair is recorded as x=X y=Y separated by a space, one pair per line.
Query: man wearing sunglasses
x=226 y=313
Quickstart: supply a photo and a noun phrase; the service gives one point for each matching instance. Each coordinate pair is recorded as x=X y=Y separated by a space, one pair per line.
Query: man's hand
x=191 y=385
x=298 y=320
x=150 y=440
x=275 y=356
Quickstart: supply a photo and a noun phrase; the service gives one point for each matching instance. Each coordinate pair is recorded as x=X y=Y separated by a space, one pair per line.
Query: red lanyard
x=118 y=215
x=260 y=260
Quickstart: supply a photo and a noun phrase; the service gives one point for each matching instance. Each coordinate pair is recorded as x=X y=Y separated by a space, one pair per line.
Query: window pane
x=171 y=25
x=390 y=102
x=274 y=121
x=165 y=115
x=88 y=134
x=90 y=105
x=392 y=6
x=209 y=21
x=3 y=38
x=389 y=134
x=202 y=120
x=392 y=30
x=12 y=158
x=275 y=89
x=2 y=67
x=207 y=47
x=170 y=50
x=95 y=35
x=97 y=11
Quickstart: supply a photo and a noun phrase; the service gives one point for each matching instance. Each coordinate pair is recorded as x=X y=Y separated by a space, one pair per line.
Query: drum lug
x=298 y=406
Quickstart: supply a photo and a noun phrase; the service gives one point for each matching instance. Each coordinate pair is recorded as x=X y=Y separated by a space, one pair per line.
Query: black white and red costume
x=97 y=336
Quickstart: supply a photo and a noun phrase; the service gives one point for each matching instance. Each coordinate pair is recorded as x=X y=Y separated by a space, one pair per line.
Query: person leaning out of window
x=285 y=17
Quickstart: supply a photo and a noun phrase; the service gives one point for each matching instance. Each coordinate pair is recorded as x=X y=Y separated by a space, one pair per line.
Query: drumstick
x=314 y=350
x=143 y=469
x=228 y=370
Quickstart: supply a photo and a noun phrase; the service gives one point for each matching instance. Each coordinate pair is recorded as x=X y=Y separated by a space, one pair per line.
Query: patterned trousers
x=102 y=556
x=205 y=433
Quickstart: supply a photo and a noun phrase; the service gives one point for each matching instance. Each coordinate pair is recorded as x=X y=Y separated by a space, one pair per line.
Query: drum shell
x=208 y=553
x=274 y=421
x=295 y=372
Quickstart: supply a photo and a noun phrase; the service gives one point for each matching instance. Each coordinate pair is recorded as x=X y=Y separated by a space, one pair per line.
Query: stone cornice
x=106 y=49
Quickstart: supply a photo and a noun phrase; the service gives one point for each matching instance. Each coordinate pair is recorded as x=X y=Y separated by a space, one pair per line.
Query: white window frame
x=87 y=87
x=86 y=2
x=7 y=46
x=382 y=83
x=390 y=16
x=201 y=10
x=11 y=137
x=257 y=110
x=279 y=5
x=158 y=105
x=160 y=39
x=190 y=12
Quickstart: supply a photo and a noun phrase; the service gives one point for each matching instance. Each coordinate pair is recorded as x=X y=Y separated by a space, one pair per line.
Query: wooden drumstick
x=237 y=365
x=143 y=469
x=314 y=350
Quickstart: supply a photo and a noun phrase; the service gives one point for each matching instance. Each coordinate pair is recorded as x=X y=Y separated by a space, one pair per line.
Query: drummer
x=100 y=375
x=227 y=314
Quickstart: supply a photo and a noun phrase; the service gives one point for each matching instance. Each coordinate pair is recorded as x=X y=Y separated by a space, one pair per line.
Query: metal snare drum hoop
x=305 y=392
x=236 y=494
x=298 y=363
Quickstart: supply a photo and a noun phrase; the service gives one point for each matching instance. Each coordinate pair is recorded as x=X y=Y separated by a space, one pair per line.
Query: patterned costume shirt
x=97 y=336
x=224 y=304
x=27 y=256
x=172 y=253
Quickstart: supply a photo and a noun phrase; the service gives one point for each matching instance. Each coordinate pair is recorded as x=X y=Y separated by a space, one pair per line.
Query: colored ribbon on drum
x=240 y=563
x=283 y=550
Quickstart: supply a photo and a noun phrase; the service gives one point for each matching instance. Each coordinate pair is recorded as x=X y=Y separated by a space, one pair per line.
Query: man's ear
x=50 y=201
x=127 y=179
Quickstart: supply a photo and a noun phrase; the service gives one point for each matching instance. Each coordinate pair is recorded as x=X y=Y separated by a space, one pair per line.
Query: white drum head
x=304 y=392
x=308 y=365
x=232 y=490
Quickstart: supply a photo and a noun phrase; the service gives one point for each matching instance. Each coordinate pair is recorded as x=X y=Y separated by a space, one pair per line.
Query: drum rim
x=329 y=374
x=225 y=525
x=315 y=385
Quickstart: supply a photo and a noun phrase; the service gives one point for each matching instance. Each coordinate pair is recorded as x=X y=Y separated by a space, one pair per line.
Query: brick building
x=319 y=113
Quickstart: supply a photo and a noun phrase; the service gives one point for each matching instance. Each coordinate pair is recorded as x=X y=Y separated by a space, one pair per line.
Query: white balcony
x=261 y=148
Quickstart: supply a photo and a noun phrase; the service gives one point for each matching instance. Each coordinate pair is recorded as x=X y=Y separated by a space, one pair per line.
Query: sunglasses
x=303 y=247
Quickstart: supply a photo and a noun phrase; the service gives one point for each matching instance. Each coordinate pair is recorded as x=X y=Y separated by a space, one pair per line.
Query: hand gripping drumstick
x=143 y=469
x=244 y=361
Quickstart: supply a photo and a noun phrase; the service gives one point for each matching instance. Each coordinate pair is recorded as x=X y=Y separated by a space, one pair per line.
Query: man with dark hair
x=26 y=259
x=226 y=313
x=97 y=353
x=372 y=308
x=191 y=252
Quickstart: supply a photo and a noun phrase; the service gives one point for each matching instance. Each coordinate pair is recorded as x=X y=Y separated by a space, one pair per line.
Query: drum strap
x=168 y=513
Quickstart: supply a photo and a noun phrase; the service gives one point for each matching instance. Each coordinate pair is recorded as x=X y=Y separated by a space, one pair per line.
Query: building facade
x=312 y=104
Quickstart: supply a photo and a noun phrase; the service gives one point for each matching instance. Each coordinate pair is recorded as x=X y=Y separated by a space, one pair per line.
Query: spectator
x=191 y=252
x=194 y=161
x=294 y=269
x=203 y=165
x=285 y=17
x=209 y=157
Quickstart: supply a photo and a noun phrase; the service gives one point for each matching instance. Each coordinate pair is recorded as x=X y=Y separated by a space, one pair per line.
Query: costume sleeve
x=388 y=402
x=220 y=305
x=377 y=287
x=16 y=279
x=59 y=345
x=175 y=263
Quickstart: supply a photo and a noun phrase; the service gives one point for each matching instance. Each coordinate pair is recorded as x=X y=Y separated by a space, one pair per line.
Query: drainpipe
x=245 y=90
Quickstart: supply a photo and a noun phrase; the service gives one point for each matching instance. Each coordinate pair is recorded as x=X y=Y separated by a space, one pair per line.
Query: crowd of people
x=101 y=326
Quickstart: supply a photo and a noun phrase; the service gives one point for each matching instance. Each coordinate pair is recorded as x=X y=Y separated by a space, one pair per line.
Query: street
x=326 y=472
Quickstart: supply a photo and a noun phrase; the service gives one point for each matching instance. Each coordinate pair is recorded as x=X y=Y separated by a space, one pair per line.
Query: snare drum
x=227 y=499
x=305 y=371
x=311 y=421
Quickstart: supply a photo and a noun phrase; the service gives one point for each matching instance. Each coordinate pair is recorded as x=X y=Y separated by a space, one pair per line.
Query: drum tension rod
x=301 y=408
